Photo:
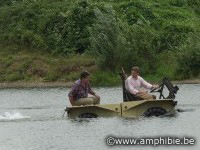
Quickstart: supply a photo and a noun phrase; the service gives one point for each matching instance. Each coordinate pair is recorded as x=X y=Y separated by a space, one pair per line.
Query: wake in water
x=7 y=116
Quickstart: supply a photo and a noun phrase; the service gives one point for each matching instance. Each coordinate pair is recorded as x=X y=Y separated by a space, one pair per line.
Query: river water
x=31 y=119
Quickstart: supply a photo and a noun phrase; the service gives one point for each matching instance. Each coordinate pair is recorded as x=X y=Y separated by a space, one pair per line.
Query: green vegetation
x=36 y=66
x=53 y=40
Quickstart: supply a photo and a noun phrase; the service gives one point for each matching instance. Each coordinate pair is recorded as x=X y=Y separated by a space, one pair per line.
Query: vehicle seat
x=127 y=96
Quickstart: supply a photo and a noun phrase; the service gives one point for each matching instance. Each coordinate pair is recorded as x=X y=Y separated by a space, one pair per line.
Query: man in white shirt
x=134 y=83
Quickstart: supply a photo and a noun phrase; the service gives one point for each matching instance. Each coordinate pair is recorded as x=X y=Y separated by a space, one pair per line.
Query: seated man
x=79 y=93
x=134 y=84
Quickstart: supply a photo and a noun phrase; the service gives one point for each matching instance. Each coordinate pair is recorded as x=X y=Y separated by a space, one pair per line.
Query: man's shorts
x=87 y=101
x=146 y=96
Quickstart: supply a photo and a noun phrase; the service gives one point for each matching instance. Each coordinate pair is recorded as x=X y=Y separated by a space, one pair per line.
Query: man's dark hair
x=135 y=68
x=85 y=74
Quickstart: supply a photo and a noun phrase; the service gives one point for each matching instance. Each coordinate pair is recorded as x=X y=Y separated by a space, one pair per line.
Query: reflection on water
x=31 y=119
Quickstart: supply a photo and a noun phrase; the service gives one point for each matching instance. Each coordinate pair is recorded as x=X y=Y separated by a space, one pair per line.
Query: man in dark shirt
x=79 y=93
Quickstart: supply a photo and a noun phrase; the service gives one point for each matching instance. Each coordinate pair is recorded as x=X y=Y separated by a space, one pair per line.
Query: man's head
x=85 y=77
x=135 y=71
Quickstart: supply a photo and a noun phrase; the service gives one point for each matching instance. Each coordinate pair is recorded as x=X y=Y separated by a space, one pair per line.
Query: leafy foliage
x=189 y=59
x=116 y=32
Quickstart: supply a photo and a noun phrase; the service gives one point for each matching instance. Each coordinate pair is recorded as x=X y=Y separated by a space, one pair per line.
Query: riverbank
x=35 y=67
x=19 y=84
x=25 y=69
x=6 y=85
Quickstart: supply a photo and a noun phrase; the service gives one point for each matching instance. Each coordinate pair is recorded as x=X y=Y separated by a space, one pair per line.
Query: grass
x=37 y=66
x=103 y=78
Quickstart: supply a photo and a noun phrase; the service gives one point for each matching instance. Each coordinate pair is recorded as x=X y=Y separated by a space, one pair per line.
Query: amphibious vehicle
x=131 y=106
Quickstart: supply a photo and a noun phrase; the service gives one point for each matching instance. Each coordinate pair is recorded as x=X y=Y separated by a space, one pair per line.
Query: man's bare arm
x=71 y=99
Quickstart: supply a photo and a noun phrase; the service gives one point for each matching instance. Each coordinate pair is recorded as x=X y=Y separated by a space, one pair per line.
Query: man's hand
x=97 y=96
x=155 y=86
x=141 y=92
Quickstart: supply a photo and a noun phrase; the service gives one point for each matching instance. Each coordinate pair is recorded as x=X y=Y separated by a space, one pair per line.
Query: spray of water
x=12 y=116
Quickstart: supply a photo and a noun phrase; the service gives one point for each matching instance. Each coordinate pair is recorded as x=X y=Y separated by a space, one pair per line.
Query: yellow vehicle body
x=131 y=109
x=104 y=110
x=141 y=108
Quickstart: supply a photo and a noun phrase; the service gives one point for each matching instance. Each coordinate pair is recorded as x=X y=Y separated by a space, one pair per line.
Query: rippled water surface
x=30 y=119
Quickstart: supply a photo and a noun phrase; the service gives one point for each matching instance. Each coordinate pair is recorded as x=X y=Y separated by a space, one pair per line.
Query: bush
x=174 y=36
x=48 y=25
x=105 y=79
x=106 y=39
x=67 y=32
x=117 y=45
x=8 y=2
x=195 y=4
x=189 y=59
x=136 y=12
x=15 y=76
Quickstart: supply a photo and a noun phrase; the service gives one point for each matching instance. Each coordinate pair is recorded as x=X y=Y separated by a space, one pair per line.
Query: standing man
x=79 y=93
x=134 y=83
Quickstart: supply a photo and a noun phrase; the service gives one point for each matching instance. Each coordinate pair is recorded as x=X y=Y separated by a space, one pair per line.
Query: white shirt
x=133 y=85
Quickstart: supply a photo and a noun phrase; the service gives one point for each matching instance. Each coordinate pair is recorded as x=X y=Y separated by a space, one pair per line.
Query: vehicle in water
x=131 y=107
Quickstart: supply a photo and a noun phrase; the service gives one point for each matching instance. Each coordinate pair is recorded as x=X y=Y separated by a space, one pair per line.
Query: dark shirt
x=79 y=90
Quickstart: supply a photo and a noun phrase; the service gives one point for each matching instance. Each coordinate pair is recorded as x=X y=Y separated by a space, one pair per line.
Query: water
x=30 y=119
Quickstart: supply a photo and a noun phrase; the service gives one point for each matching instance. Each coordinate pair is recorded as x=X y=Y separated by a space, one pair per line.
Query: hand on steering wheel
x=155 y=87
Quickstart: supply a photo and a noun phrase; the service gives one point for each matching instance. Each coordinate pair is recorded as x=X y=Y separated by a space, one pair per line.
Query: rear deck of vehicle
x=131 y=109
